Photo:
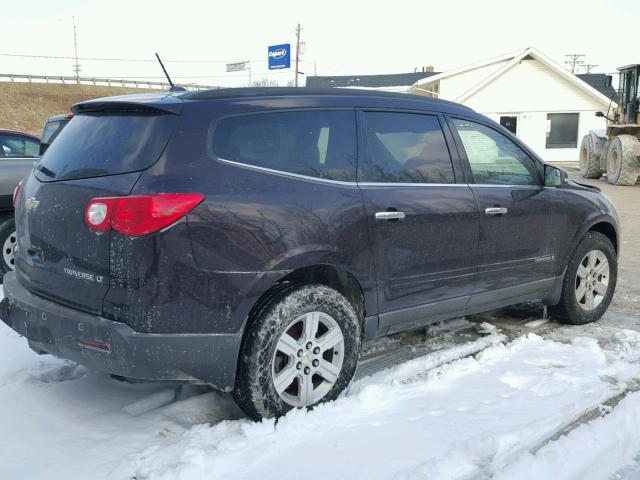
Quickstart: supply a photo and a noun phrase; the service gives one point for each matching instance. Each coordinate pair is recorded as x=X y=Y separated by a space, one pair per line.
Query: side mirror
x=554 y=177
x=599 y=114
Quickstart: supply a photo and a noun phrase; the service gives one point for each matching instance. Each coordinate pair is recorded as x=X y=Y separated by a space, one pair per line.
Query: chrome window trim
x=512 y=185
x=484 y=185
x=401 y=184
x=363 y=184
x=282 y=173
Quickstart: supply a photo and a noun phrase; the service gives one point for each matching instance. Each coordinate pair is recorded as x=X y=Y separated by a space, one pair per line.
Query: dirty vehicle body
x=252 y=239
x=616 y=151
x=18 y=151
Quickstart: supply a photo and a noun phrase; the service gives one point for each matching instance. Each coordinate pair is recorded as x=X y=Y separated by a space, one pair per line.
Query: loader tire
x=590 y=149
x=603 y=156
x=622 y=160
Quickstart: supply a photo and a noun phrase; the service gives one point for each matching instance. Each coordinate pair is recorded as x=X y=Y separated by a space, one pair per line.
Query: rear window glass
x=99 y=144
x=315 y=143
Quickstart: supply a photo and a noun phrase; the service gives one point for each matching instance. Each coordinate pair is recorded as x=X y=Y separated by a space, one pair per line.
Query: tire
x=577 y=311
x=268 y=355
x=603 y=156
x=622 y=160
x=590 y=150
x=7 y=242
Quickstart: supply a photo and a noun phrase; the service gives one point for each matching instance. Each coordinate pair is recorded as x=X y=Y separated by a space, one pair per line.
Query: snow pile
x=474 y=416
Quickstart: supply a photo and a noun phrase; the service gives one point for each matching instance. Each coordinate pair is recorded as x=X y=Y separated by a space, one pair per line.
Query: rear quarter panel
x=253 y=227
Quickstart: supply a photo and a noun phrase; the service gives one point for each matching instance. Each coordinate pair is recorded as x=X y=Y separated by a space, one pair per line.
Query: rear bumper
x=56 y=329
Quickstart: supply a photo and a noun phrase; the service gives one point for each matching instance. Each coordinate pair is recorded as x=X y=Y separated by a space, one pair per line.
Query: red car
x=18 y=144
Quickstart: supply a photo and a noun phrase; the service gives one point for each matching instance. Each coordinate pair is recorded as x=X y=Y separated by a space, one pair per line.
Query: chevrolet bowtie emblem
x=31 y=204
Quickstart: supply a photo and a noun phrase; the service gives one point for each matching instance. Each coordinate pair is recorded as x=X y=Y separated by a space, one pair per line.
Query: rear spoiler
x=148 y=103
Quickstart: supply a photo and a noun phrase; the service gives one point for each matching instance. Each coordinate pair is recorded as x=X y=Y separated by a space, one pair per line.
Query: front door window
x=494 y=158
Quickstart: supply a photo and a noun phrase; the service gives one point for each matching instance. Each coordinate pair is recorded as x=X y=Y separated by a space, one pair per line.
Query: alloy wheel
x=308 y=359
x=592 y=280
x=8 y=250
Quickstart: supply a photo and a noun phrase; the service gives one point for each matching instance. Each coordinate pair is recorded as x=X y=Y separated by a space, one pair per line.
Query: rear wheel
x=302 y=349
x=8 y=241
x=590 y=150
x=589 y=281
x=622 y=160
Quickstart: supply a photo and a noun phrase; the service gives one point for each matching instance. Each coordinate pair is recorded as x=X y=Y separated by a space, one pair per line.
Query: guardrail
x=108 y=82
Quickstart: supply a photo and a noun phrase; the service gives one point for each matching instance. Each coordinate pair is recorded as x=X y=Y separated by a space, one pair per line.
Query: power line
x=146 y=60
x=61 y=57
x=188 y=76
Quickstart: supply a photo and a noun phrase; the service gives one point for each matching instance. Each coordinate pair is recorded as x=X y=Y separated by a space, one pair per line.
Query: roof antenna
x=173 y=88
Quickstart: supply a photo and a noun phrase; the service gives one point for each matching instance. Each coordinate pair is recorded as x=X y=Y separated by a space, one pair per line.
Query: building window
x=510 y=123
x=562 y=130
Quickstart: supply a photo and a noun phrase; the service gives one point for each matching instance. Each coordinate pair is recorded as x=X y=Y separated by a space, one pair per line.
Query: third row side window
x=404 y=148
x=315 y=143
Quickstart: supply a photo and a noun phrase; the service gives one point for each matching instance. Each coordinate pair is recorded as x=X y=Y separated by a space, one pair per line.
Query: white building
x=546 y=106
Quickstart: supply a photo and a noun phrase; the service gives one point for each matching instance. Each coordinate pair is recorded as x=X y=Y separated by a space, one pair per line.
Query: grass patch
x=26 y=106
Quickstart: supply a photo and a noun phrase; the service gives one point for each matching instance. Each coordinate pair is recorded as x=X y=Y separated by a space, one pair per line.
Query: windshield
x=98 y=144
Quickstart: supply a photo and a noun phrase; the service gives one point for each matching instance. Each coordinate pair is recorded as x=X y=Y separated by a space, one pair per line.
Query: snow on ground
x=594 y=450
x=473 y=417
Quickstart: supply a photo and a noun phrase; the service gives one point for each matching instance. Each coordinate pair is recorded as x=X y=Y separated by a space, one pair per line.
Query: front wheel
x=302 y=349
x=589 y=282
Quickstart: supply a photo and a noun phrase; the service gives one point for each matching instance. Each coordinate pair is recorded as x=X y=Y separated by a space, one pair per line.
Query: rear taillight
x=16 y=192
x=139 y=214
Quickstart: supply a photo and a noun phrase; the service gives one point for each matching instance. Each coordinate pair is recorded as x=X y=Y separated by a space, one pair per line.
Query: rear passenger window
x=404 y=148
x=316 y=143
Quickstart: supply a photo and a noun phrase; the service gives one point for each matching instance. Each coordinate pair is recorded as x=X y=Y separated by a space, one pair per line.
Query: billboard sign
x=237 y=66
x=279 y=56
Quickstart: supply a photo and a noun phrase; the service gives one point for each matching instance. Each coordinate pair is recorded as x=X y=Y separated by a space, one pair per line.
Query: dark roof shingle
x=371 y=81
x=597 y=81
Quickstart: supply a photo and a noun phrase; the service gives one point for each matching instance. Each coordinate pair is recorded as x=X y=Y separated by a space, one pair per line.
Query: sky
x=341 y=37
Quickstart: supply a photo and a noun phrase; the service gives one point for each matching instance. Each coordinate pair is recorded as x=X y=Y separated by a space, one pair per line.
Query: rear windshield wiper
x=45 y=170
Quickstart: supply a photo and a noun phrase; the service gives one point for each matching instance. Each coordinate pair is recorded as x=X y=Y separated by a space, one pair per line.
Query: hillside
x=26 y=106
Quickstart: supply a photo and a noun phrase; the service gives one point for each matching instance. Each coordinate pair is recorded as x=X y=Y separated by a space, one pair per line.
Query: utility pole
x=76 y=67
x=573 y=61
x=298 y=30
x=588 y=67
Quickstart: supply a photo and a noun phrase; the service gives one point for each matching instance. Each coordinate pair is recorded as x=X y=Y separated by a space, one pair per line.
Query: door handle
x=495 y=211
x=390 y=215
